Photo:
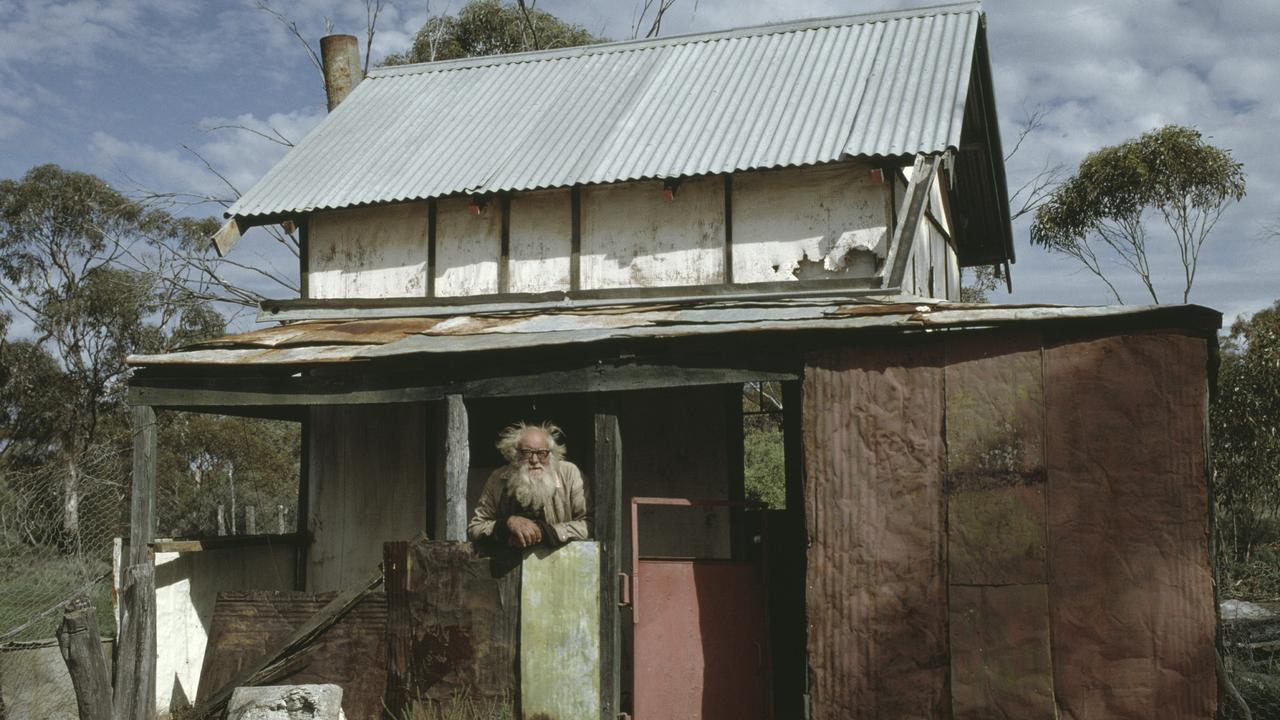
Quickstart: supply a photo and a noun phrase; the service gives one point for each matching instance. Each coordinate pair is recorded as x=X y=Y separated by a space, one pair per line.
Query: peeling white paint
x=373 y=252
x=633 y=237
x=541 y=232
x=467 y=248
x=799 y=223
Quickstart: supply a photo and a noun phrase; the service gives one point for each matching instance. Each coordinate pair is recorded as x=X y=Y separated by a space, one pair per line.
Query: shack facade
x=990 y=511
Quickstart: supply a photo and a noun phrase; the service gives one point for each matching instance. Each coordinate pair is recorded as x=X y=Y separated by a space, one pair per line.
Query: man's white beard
x=532 y=493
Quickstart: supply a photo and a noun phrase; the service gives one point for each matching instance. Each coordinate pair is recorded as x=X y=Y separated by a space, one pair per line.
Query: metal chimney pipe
x=340 y=55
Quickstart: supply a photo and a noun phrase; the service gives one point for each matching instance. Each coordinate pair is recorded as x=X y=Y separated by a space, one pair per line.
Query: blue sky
x=118 y=87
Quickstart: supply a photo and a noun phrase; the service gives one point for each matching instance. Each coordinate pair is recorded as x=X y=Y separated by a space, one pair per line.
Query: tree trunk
x=81 y=648
x=71 y=504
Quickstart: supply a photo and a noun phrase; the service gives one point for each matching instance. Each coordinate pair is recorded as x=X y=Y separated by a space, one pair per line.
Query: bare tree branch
x=278 y=138
x=372 y=9
x=532 y=43
x=292 y=26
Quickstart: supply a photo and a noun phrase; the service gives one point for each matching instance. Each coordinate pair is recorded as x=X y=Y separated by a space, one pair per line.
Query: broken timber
x=913 y=205
x=81 y=647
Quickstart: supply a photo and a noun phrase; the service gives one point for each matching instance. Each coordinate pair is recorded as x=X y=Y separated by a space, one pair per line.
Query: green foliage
x=1245 y=429
x=490 y=27
x=766 y=476
x=208 y=460
x=979 y=289
x=1171 y=172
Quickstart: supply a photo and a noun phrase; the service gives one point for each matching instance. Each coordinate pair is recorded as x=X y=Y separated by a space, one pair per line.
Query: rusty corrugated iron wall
x=1002 y=527
x=873 y=501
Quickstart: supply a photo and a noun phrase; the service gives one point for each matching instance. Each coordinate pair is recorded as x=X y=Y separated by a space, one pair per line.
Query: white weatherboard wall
x=467 y=248
x=808 y=223
x=374 y=252
x=368 y=485
x=187 y=585
x=633 y=237
x=541 y=235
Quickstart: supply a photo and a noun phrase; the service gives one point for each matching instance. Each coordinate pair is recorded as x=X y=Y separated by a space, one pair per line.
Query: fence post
x=135 y=679
x=81 y=647
x=250 y=520
x=222 y=520
x=280 y=526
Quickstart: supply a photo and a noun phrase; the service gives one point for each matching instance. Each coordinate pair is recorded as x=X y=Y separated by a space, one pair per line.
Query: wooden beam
x=142 y=503
x=504 y=258
x=230 y=542
x=913 y=203
x=226 y=237
x=457 y=464
x=431 y=248
x=607 y=527
x=135 y=697
x=575 y=238
x=728 y=228
x=193 y=392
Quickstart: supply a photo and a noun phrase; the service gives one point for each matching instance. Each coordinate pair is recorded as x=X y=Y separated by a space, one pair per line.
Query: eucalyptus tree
x=1103 y=214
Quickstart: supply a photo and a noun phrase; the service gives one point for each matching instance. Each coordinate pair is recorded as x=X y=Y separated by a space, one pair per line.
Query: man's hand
x=523 y=532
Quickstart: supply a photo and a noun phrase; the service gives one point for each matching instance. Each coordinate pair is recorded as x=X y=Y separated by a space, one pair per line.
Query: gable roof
x=886 y=84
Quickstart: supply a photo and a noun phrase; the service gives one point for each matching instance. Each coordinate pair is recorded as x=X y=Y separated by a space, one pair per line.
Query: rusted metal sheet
x=463 y=612
x=372 y=338
x=995 y=458
x=997 y=537
x=246 y=626
x=560 y=633
x=877 y=602
x=1000 y=665
x=701 y=641
x=1133 y=604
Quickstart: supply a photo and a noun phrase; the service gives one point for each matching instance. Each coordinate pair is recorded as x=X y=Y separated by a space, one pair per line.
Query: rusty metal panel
x=247 y=626
x=997 y=537
x=464 y=619
x=701 y=641
x=1000 y=665
x=1132 y=601
x=995 y=458
x=877 y=601
x=560 y=633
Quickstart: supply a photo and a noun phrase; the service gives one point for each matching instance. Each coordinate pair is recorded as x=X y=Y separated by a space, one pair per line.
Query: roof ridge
x=671 y=40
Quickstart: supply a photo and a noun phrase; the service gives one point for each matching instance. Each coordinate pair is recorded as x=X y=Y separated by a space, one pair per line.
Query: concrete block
x=286 y=702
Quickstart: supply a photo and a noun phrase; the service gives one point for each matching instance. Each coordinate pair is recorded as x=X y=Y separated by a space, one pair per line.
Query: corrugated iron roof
x=803 y=93
x=330 y=341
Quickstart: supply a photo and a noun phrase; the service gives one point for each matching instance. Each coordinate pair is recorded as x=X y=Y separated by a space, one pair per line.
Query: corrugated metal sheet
x=771 y=96
x=330 y=341
x=874 y=511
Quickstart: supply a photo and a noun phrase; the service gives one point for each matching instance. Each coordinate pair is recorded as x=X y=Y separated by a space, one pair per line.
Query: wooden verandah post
x=607 y=487
x=135 y=676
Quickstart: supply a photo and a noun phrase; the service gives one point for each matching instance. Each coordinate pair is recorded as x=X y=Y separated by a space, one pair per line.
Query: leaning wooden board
x=560 y=633
x=248 y=625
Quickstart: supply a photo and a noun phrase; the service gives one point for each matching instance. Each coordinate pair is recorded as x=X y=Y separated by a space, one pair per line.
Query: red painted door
x=701 y=639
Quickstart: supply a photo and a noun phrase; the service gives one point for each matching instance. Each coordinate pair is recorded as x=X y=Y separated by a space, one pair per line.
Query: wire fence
x=58 y=524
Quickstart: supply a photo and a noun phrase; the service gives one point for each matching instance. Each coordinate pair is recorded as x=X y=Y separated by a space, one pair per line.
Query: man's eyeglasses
x=526 y=453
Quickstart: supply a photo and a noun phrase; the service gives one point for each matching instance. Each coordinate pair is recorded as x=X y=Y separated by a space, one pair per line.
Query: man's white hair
x=509 y=440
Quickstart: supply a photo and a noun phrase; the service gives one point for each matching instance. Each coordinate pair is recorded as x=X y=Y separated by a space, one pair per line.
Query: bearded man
x=538 y=496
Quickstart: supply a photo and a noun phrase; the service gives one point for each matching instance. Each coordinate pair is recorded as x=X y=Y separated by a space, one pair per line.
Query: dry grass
x=462 y=706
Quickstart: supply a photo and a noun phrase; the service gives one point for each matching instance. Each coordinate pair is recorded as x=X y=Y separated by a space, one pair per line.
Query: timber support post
x=457 y=462
x=81 y=647
x=607 y=522
x=135 y=677
x=913 y=205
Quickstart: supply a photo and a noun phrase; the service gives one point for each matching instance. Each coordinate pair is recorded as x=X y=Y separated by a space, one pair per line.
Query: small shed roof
x=362 y=340
x=886 y=84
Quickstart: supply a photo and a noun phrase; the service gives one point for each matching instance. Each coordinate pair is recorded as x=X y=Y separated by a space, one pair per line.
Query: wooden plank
x=431 y=248
x=142 y=504
x=728 y=228
x=607 y=491
x=899 y=254
x=395 y=570
x=197 y=391
x=185 y=545
x=575 y=239
x=135 y=675
x=81 y=646
x=302 y=555
x=245 y=626
x=504 y=245
x=457 y=465
x=560 y=633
